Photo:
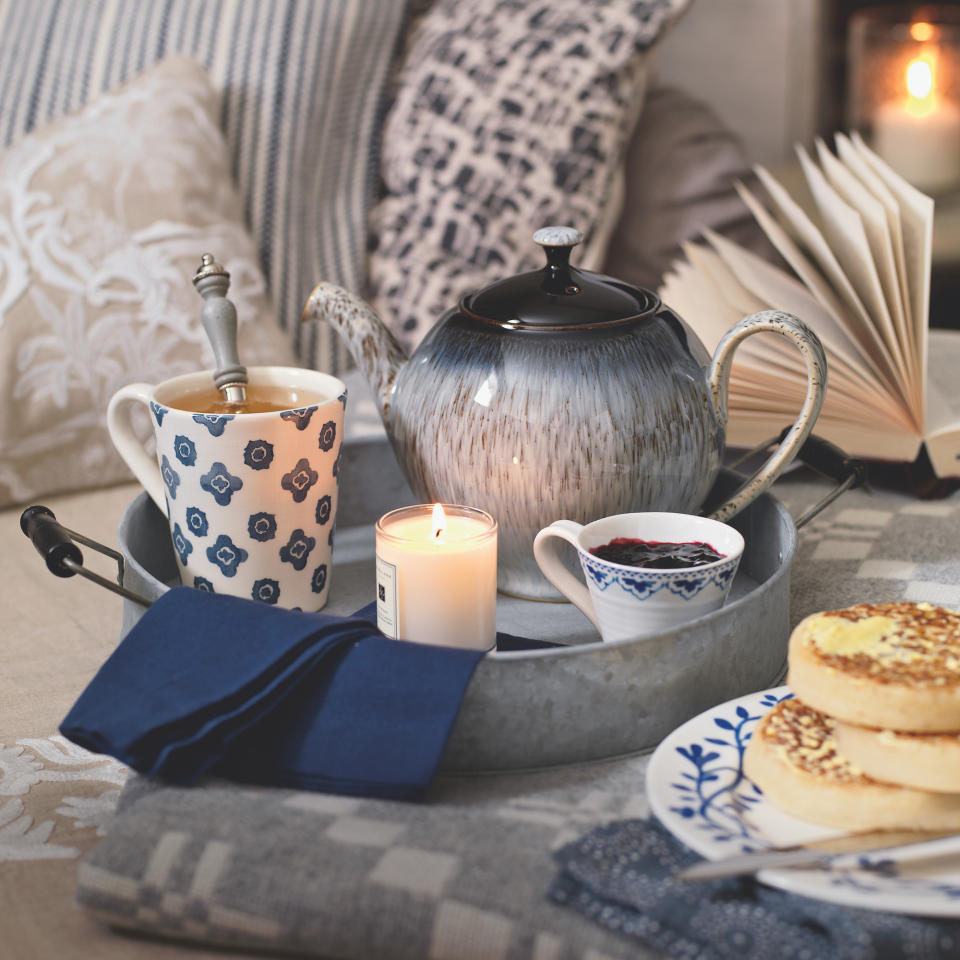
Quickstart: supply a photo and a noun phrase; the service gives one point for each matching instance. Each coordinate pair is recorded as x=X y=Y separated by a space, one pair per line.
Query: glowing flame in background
x=920 y=75
x=920 y=79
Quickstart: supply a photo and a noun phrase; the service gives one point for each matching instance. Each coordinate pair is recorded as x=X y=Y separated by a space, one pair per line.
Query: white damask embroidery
x=103 y=218
x=25 y=765
x=92 y=811
x=21 y=840
x=18 y=771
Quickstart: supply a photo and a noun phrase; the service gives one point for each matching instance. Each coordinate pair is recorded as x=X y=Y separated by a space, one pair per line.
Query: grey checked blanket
x=467 y=873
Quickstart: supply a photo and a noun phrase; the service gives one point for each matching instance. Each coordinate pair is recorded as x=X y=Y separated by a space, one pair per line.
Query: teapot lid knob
x=557 y=237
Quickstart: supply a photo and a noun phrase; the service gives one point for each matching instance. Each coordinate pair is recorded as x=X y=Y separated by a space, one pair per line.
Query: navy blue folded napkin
x=209 y=684
x=621 y=876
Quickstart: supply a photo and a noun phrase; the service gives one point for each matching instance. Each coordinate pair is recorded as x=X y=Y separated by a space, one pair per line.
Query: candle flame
x=920 y=79
x=921 y=31
x=439 y=521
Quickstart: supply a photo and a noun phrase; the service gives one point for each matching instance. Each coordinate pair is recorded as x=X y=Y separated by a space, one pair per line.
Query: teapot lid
x=558 y=296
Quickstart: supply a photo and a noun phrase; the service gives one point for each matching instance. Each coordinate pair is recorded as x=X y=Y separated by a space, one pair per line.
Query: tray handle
x=827 y=459
x=55 y=543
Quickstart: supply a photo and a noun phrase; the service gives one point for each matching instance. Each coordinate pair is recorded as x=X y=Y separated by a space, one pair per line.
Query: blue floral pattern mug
x=251 y=498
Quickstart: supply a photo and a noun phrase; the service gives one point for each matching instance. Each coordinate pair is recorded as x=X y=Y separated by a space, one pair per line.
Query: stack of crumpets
x=871 y=740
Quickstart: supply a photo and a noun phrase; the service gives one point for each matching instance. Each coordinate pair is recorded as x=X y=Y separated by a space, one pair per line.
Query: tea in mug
x=261 y=398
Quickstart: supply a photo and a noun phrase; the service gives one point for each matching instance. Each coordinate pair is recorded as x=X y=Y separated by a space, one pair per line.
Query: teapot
x=561 y=393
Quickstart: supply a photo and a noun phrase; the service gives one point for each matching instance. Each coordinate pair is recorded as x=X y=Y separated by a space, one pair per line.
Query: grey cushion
x=679 y=174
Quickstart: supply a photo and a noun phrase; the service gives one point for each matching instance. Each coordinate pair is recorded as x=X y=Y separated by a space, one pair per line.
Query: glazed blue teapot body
x=561 y=393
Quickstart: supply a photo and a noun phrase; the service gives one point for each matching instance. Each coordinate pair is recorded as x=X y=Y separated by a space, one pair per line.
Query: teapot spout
x=375 y=349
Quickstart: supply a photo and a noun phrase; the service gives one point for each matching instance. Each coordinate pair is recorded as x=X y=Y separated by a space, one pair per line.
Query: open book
x=858 y=242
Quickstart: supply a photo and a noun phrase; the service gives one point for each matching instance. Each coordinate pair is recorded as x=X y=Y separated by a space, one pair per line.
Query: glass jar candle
x=437 y=575
x=904 y=90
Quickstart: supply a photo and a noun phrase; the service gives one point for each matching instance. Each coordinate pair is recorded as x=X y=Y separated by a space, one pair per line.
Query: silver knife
x=909 y=844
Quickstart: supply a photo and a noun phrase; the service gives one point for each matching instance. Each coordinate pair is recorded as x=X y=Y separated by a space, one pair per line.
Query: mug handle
x=548 y=559
x=128 y=445
x=808 y=343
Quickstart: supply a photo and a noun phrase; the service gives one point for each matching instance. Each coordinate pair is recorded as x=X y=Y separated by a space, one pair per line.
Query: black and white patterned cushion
x=509 y=115
x=301 y=84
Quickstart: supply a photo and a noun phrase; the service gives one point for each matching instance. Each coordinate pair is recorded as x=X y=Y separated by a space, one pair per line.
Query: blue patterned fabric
x=303 y=85
x=621 y=877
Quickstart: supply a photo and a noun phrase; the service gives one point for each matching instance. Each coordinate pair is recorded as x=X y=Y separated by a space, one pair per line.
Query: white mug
x=627 y=602
x=251 y=498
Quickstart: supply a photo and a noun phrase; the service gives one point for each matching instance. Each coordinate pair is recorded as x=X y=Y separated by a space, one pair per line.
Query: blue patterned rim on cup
x=626 y=602
x=643 y=582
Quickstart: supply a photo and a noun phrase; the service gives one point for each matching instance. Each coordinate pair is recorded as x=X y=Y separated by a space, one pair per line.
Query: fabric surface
x=509 y=116
x=467 y=873
x=206 y=682
x=620 y=876
x=679 y=175
x=301 y=86
x=103 y=217
x=462 y=877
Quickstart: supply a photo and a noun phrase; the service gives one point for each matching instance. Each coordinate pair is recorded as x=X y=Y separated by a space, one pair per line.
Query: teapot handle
x=807 y=342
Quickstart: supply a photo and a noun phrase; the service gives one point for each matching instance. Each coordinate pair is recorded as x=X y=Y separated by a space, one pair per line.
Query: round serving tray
x=586 y=700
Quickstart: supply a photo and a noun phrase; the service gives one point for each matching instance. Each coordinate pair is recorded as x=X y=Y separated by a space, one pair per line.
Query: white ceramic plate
x=697 y=789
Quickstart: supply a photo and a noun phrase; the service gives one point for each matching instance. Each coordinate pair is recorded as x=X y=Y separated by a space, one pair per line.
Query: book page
x=691 y=292
x=768 y=373
x=843 y=228
x=864 y=173
x=873 y=219
x=687 y=292
x=739 y=303
x=867 y=441
x=769 y=283
x=943 y=403
x=821 y=304
x=916 y=215
x=855 y=316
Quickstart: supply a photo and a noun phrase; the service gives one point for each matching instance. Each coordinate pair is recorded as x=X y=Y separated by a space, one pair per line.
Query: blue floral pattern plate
x=697 y=789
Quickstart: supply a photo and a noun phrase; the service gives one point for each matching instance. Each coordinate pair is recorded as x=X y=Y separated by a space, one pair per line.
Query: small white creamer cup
x=625 y=602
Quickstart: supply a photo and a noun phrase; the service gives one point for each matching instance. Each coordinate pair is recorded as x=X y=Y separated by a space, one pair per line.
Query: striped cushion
x=301 y=85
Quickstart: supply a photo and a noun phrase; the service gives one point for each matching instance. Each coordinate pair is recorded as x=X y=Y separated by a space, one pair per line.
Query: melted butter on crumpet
x=846 y=637
x=893 y=642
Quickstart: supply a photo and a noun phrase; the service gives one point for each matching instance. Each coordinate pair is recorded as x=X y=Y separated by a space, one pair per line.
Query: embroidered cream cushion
x=104 y=216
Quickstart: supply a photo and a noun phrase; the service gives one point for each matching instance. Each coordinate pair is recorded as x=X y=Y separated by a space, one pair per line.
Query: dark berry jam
x=653 y=553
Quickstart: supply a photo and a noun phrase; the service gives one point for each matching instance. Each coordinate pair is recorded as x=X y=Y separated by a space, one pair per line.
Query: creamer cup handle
x=548 y=559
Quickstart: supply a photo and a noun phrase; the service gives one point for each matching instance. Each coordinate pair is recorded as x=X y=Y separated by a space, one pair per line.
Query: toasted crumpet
x=792 y=757
x=926 y=761
x=894 y=666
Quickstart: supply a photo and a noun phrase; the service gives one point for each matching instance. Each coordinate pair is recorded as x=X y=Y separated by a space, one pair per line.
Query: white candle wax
x=922 y=145
x=438 y=589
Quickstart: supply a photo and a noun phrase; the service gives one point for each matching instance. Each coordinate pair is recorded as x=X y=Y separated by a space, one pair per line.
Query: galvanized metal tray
x=586 y=700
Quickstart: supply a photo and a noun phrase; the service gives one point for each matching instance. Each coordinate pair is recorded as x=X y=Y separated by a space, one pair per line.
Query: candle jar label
x=387 y=597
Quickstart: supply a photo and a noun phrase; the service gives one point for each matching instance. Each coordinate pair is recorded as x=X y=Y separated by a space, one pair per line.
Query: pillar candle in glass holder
x=918 y=134
x=437 y=575
x=904 y=72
